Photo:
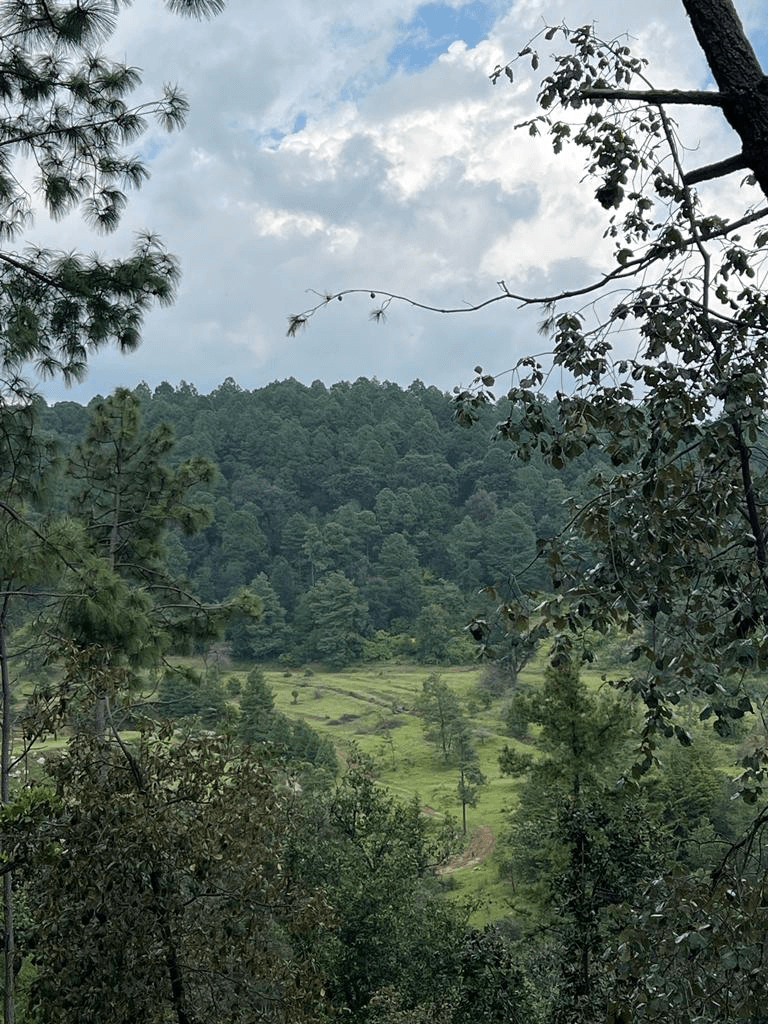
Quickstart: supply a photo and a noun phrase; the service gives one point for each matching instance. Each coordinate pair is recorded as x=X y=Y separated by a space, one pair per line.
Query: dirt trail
x=481 y=843
x=366 y=698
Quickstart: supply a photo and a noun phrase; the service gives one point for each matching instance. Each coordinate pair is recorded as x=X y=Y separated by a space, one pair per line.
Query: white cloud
x=414 y=182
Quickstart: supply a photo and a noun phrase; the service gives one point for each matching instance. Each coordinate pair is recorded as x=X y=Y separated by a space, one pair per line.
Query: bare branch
x=659 y=96
x=626 y=270
x=717 y=169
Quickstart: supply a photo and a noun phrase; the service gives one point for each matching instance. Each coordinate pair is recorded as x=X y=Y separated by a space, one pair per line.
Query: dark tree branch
x=751 y=500
x=27 y=268
x=738 y=75
x=747 y=841
x=298 y=320
x=659 y=96
x=132 y=762
x=716 y=170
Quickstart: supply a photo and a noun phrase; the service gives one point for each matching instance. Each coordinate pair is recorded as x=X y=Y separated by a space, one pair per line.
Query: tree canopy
x=407 y=556
x=65 y=107
x=662 y=361
x=664 y=366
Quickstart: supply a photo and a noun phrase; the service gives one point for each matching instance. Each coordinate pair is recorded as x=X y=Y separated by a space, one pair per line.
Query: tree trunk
x=170 y=952
x=463 y=802
x=6 y=723
x=739 y=76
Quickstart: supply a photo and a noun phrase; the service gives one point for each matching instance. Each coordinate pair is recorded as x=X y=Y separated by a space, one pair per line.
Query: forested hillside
x=363 y=515
x=192 y=839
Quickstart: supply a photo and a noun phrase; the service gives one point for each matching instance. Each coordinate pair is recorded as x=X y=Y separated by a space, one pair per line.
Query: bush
x=383 y=646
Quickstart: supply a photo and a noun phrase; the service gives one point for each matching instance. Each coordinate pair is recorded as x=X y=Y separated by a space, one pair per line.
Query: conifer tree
x=66 y=106
x=65 y=109
x=578 y=845
x=471 y=778
x=25 y=562
x=258 y=715
x=122 y=609
x=441 y=714
x=333 y=617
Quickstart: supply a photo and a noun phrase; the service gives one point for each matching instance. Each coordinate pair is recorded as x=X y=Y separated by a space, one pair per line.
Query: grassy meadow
x=373 y=707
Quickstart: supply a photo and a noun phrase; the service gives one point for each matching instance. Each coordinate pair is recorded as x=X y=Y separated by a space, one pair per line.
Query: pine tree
x=122 y=609
x=257 y=711
x=65 y=109
x=332 y=616
x=25 y=562
x=471 y=777
x=441 y=714
x=577 y=846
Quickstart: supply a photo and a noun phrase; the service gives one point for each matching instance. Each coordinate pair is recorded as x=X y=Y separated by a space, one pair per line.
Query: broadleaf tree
x=374 y=858
x=676 y=531
x=159 y=886
x=664 y=362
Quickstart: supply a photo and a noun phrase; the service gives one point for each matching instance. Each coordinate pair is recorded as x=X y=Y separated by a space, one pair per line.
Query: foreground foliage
x=66 y=124
x=156 y=886
x=176 y=877
x=374 y=858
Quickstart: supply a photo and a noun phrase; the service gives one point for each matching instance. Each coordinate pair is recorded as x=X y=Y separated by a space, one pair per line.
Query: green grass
x=373 y=708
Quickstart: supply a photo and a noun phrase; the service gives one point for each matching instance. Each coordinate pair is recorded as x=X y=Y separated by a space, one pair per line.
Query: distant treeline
x=363 y=515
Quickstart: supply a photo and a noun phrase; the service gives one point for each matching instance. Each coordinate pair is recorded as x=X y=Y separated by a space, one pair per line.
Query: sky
x=362 y=145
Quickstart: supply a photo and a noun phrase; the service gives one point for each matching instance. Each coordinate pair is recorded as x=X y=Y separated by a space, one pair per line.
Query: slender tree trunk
x=463 y=803
x=585 y=985
x=170 y=953
x=9 y=952
x=752 y=503
x=6 y=723
x=100 y=707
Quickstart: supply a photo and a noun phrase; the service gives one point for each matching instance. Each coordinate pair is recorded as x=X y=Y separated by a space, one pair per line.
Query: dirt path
x=382 y=702
x=481 y=843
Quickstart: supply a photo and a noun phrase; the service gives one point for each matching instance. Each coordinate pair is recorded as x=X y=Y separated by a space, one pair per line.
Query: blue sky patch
x=759 y=41
x=271 y=138
x=435 y=26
